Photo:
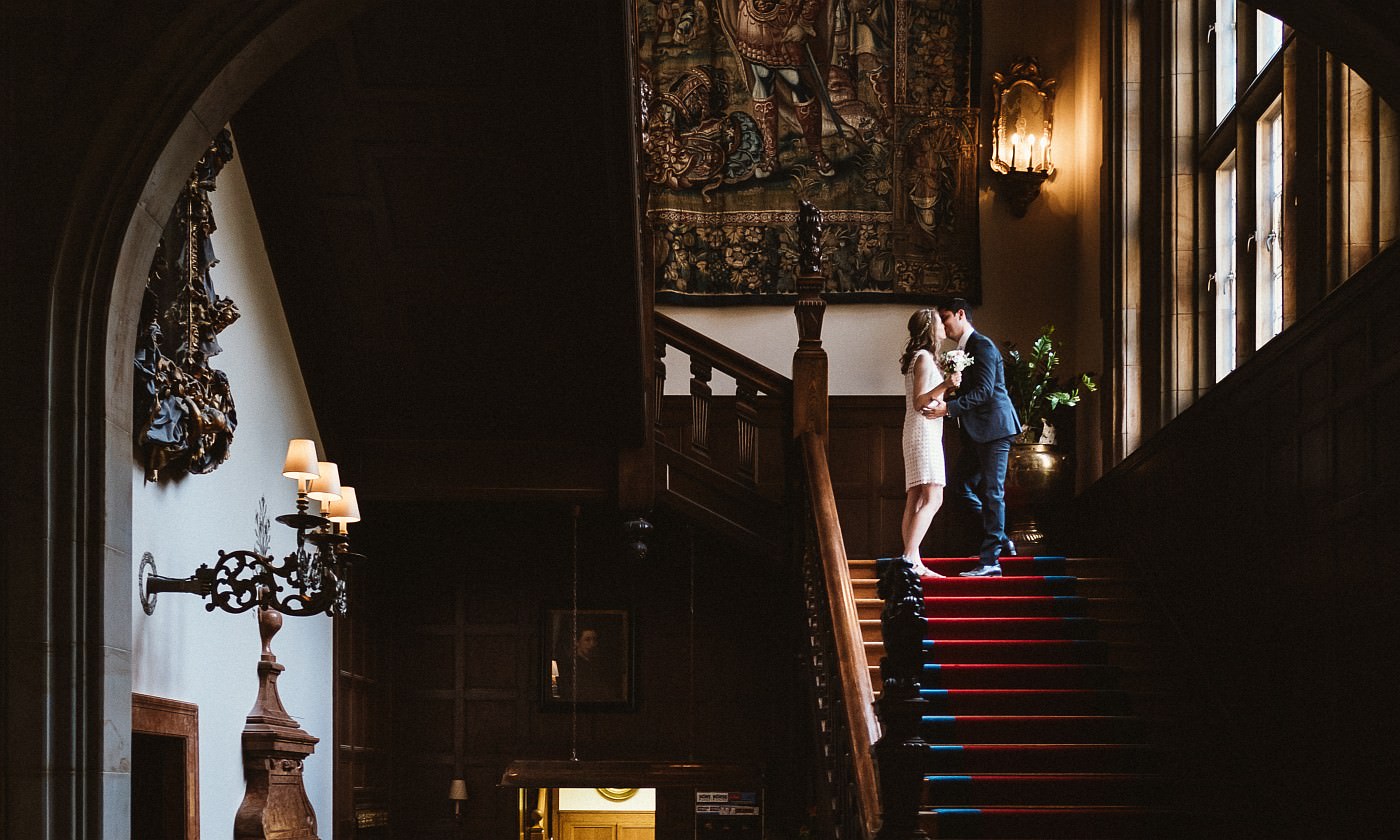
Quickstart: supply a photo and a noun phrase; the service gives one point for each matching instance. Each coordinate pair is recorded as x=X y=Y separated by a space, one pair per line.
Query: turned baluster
x=658 y=381
x=700 y=399
x=746 y=417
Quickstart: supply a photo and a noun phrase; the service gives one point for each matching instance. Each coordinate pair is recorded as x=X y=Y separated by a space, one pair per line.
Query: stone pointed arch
x=66 y=590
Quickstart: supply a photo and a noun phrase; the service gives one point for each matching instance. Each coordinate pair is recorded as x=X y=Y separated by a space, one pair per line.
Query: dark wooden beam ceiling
x=445 y=190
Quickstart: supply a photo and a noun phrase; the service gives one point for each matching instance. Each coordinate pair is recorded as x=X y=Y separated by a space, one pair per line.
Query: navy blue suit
x=987 y=422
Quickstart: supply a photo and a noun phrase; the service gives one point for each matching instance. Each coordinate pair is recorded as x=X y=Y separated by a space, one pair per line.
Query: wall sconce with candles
x=1022 y=133
x=308 y=581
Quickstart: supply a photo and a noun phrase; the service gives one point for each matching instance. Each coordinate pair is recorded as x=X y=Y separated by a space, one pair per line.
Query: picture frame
x=587 y=660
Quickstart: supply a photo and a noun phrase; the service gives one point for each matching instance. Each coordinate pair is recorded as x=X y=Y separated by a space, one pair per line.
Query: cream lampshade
x=458 y=794
x=326 y=486
x=301 y=460
x=347 y=508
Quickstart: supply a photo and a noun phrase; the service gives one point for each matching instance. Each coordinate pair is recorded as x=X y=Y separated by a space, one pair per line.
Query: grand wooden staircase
x=1035 y=706
x=1046 y=711
x=1032 y=706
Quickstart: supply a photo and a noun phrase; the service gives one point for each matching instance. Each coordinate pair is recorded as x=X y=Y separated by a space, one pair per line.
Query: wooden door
x=607 y=825
x=164 y=768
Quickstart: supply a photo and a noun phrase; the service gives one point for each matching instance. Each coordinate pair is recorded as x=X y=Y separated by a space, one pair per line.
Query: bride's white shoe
x=922 y=570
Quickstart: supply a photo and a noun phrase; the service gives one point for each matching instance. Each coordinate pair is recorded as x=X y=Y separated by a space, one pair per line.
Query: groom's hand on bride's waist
x=935 y=409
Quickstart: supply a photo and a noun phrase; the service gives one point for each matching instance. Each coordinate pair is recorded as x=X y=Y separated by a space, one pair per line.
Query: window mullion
x=1244 y=51
x=1248 y=244
x=1305 y=194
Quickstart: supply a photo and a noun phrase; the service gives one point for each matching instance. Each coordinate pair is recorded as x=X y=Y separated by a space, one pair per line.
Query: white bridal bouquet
x=955 y=361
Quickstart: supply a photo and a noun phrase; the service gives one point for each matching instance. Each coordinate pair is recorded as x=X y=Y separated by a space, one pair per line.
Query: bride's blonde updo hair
x=923 y=335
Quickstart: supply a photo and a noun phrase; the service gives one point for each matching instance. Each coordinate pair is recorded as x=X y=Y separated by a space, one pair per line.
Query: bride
x=924 y=472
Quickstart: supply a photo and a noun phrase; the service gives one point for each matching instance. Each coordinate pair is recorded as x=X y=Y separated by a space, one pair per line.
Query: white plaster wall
x=588 y=799
x=210 y=659
x=862 y=342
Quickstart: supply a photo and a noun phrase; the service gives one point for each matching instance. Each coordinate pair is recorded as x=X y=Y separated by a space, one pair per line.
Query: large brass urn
x=1038 y=482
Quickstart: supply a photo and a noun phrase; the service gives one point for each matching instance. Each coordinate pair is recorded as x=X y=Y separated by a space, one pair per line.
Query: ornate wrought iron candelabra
x=308 y=581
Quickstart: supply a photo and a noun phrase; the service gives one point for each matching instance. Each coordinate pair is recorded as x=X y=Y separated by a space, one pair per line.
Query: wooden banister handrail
x=855 y=683
x=724 y=359
x=843 y=700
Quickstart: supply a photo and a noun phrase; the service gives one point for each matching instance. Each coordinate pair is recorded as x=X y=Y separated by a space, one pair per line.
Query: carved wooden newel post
x=274 y=806
x=809 y=377
x=901 y=750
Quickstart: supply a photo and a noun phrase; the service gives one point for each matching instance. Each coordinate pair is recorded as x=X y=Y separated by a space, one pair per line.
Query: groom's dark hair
x=954 y=304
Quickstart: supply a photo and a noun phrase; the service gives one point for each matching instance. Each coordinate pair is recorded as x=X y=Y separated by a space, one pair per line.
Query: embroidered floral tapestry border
x=866 y=108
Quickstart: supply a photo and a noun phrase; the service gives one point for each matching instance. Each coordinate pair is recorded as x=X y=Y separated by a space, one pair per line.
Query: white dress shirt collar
x=962 y=342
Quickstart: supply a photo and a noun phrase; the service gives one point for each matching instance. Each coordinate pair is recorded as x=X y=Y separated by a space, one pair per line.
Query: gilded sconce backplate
x=1023 y=129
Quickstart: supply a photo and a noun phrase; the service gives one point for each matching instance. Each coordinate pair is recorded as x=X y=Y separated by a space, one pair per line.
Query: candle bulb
x=1015 y=141
x=1045 y=151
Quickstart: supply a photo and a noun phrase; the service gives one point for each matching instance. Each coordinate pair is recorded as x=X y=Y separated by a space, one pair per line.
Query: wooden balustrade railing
x=844 y=704
x=752 y=383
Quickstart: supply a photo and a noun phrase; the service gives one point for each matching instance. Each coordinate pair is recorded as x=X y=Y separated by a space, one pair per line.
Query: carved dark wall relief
x=184 y=409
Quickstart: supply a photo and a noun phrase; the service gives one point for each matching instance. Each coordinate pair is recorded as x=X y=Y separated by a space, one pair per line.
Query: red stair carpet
x=1032 y=734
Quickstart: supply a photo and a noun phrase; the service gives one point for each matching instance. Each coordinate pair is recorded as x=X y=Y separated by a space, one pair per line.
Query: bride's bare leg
x=921 y=502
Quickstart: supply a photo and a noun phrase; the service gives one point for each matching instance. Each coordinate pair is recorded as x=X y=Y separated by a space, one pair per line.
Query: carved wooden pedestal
x=275 y=806
x=809 y=363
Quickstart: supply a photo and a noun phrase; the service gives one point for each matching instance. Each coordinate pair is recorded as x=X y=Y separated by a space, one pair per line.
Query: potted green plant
x=1037 y=480
x=1036 y=391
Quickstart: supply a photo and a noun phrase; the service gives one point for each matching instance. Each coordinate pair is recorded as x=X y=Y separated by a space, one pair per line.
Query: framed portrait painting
x=588 y=660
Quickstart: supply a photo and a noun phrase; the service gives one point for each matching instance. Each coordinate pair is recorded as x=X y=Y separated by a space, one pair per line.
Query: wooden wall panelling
x=472 y=582
x=867 y=474
x=1258 y=516
x=362 y=710
x=861 y=441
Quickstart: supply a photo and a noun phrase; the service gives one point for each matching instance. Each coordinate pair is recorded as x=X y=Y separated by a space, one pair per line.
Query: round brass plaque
x=617 y=794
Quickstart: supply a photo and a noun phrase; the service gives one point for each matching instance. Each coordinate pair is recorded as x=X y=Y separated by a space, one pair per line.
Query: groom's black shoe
x=993 y=570
x=1008 y=548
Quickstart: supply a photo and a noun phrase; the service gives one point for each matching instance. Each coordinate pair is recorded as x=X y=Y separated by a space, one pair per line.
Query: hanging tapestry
x=865 y=108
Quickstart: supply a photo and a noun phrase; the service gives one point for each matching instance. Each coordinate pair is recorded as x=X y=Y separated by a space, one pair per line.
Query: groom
x=987 y=422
